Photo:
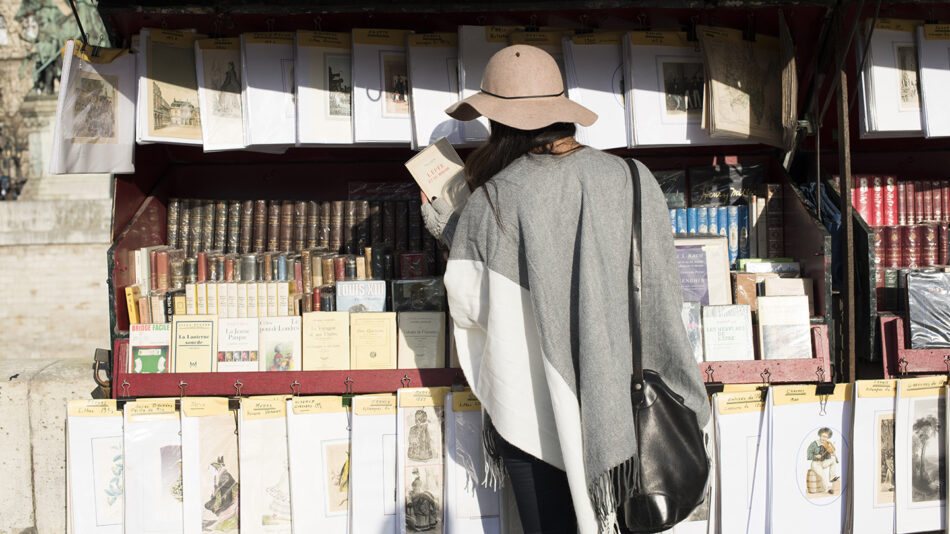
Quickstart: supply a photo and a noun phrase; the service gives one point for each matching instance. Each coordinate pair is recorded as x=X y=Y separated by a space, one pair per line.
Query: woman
x=538 y=281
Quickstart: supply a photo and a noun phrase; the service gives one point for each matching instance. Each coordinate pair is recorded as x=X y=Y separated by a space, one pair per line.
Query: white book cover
x=324 y=78
x=167 y=108
x=593 y=63
x=432 y=60
x=727 y=333
x=94 y=467
x=95 y=117
x=810 y=445
x=440 y=173
x=920 y=461
x=380 y=87
x=933 y=52
x=477 y=44
x=420 y=461
x=279 y=343
x=209 y=466
x=270 y=115
x=373 y=465
x=262 y=451
x=665 y=90
x=892 y=81
x=784 y=327
x=318 y=439
x=218 y=65
x=738 y=427
x=470 y=507
x=873 y=451
x=153 y=484
x=238 y=345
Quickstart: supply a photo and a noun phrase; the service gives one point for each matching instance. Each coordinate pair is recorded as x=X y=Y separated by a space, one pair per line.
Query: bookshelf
x=898 y=360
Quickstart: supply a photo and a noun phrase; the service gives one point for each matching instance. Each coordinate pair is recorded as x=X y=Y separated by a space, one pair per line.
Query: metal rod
x=844 y=169
x=82 y=32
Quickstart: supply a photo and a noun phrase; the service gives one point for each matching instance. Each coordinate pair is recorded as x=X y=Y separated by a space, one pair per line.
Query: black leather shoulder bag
x=673 y=462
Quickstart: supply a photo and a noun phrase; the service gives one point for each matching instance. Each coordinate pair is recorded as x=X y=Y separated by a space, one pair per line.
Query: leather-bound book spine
x=350 y=230
x=335 y=242
x=323 y=230
x=220 y=225
x=171 y=218
x=313 y=223
x=207 y=225
x=401 y=239
x=259 y=235
x=389 y=223
x=362 y=225
x=194 y=227
x=247 y=227
x=414 y=226
x=184 y=226
x=300 y=224
x=234 y=226
x=286 y=226
x=376 y=223
x=273 y=225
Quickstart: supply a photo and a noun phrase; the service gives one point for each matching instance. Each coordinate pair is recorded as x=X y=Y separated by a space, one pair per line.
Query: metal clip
x=182 y=386
x=766 y=376
x=125 y=388
x=710 y=374
x=823 y=388
x=946 y=361
x=405 y=381
x=295 y=388
x=348 y=386
x=902 y=366
x=237 y=387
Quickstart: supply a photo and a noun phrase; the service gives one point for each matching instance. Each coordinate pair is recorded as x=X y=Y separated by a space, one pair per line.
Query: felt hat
x=522 y=88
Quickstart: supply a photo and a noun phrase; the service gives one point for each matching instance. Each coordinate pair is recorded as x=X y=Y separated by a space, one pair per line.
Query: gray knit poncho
x=539 y=295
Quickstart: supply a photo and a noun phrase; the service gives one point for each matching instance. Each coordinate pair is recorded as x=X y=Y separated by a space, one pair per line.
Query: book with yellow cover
x=373 y=340
x=326 y=341
x=421 y=340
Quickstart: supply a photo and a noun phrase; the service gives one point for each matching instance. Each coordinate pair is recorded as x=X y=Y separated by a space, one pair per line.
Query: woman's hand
x=422 y=194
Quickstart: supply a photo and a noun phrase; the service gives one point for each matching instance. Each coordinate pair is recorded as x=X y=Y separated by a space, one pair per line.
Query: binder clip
x=237 y=387
x=234 y=405
x=295 y=388
x=823 y=388
x=902 y=367
x=182 y=386
x=125 y=388
x=712 y=386
x=348 y=386
x=767 y=380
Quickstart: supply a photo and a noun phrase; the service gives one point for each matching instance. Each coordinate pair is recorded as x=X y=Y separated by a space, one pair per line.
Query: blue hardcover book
x=733 y=234
x=743 y=231
x=673 y=220
x=361 y=295
x=702 y=220
x=692 y=221
x=722 y=217
x=681 y=221
x=713 y=220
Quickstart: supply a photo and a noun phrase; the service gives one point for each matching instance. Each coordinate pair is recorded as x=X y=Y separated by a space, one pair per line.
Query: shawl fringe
x=494 y=463
x=611 y=490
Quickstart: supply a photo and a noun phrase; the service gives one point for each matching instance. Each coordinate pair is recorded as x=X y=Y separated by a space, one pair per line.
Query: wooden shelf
x=815 y=369
x=898 y=360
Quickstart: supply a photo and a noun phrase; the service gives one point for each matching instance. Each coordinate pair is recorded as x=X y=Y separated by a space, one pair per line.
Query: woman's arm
x=440 y=219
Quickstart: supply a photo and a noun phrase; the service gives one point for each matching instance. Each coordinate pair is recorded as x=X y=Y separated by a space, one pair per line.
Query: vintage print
x=173 y=95
x=909 y=92
x=336 y=467
x=95 y=110
x=424 y=499
x=884 y=481
x=108 y=487
x=746 y=89
x=222 y=75
x=281 y=357
x=338 y=84
x=395 y=84
x=287 y=76
x=276 y=510
x=424 y=438
x=219 y=483
x=819 y=464
x=237 y=356
x=682 y=80
x=928 y=461
x=170 y=497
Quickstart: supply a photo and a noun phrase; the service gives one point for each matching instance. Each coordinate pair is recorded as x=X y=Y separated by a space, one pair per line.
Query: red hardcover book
x=945 y=196
x=880 y=247
x=161 y=270
x=316 y=299
x=228 y=269
x=927 y=196
x=202 y=267
x=298 y=277
x=943 y=244
x=413 y=265
x=890 y=200
x=911 y=203
x=860 y=199
x=936 y=193
x=910 y=243
x=876 y=208
x=901 y=203
x=339 y=268
x=892 y=247
x=930 y=245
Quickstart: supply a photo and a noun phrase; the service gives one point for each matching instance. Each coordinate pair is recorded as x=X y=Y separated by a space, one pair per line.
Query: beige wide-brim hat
x=522 y=88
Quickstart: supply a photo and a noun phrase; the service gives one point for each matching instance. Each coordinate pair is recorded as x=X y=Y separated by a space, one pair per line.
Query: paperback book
x=279 y=348
x=149 y=348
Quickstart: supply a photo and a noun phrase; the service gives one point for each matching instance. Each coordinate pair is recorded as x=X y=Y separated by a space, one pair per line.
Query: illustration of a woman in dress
x=420 y=442
x=422 y=510
x=223 y=500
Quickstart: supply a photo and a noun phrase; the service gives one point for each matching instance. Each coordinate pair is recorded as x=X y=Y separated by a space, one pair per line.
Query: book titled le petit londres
x=289 y=285
x=742 y=298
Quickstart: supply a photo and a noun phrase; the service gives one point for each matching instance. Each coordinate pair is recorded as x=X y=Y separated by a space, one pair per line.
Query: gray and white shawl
x=539 y=296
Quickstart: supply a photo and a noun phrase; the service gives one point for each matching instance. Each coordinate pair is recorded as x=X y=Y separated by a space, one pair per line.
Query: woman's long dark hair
x=506 y=144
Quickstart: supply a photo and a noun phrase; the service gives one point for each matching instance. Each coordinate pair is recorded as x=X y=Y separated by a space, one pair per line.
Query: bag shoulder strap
x=637 y=282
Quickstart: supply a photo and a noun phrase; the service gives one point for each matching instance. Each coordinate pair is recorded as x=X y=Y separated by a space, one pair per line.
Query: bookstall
x=747 y=234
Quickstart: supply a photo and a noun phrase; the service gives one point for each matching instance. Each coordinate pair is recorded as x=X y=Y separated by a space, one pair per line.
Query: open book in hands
x=440 y=173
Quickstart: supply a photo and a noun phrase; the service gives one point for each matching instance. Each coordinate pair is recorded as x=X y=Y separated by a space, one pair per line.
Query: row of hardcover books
x=315 y=341
x=257 y=226
x=891 y=201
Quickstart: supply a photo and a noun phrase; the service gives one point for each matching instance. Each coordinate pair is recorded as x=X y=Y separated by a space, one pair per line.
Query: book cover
x=708 y=282
x=782 y=267
x=747 y=286
x=928 y=298
x=279 y=347
x=890 y=201
x=420 y=294
x=421 y=340
x=724 y=185
x=237 y=345
x=743 y=222
x=784 y=327
x=928 y=213
x=673 y=185
x=194 y=338
x=775 y=219
x=733 y=233
x=691 y=261
x=702 y=220
x=682 y=221
x=170 y=77
x=876 y=201
x=361 y=296
x=901 y=204
x=778 y=287
x=373 y=340
x=722 y=216
x=692 y=221
x=149 y=348
x=727 y=333
x=673 y=220
x=692 y=321
x=132 y=295
x=326 y=340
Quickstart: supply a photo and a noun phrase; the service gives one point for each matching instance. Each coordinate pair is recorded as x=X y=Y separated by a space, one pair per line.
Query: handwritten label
x=897 y=25
x=277 y=38
x=937 y=32
x=928 y=386
x=465 y=401
x=419 y=397
x=319 y=404
x=92 y=408
x=498 y=34
x=374 y=405
x=324 y=39
x=876 y=388
x=445 y=40
x=380 y=37
x=204 y=406
x=655 y=38
x=219 y=44
x=803 y=394
x=174 y=37
x=269 y=407
x=744 y=402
